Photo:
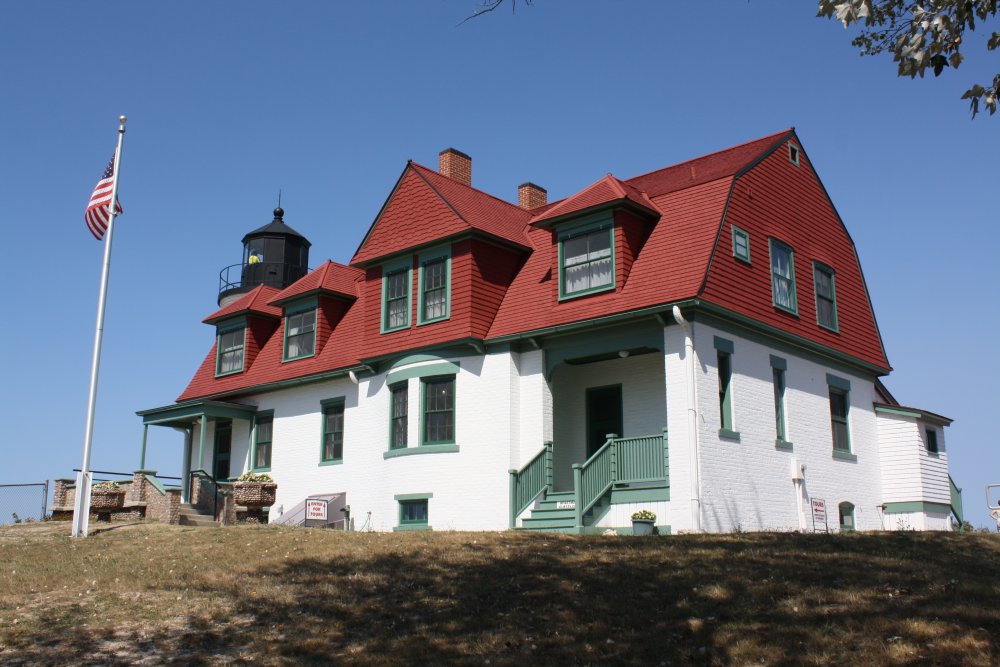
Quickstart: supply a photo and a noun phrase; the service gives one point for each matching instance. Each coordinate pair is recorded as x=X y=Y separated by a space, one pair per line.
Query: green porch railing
x=643 y=458
x=956 y=500
x=529 y=481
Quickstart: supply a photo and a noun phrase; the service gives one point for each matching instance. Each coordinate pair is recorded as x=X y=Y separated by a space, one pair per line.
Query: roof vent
x=456 y=165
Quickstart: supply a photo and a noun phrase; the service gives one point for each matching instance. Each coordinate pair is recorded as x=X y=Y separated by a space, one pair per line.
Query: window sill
x=445 y=318
x=788 y=311
x=394 y=329
x=844 y=456
x=586 y=292
x=424 y=449
x=421 y=526
x=228 y=373
x=304 y=356
x=783 y=445
x=835 y=330
x=332 y=462
x=267 y=469
x=726 y=434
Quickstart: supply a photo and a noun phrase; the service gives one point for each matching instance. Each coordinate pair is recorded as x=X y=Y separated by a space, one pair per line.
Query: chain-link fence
x=23 y=502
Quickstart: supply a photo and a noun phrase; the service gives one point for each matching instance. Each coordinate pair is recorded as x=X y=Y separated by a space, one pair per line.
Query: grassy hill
x=150 y=594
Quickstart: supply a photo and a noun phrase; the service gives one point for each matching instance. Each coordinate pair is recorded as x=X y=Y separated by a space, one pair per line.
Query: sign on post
x=819 y=515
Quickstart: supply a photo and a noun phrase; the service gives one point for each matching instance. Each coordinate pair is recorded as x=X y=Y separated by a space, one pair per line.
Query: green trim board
x=262 y=416
x=412 y=496
x=411 y=527
x=838 y=382
x=326 y=405
x=783 y=445
x=438 y=368
x=422 y=449
x=779 y=363
x=426 y=409
x=188 y=412
x=723 y=344
x=916 y=506
x=390 y=270
x=606 y=342
x=433 y=258
x=841 y=455
x=590 y=228
x=741 y=244
x=727 y=434
x=643 y=494
x=783 y=294
x=922 y=415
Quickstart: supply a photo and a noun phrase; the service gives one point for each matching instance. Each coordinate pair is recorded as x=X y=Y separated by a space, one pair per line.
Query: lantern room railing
x=272 y=274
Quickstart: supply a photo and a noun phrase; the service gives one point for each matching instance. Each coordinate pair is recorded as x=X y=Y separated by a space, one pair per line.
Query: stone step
x=197 y=520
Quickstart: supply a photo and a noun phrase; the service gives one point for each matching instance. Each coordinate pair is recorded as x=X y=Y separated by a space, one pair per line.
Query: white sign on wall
x=819 y=514
x=316 y=510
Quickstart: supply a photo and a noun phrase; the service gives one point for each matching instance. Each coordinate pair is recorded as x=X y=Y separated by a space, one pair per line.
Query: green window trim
x=783 y=295
x=434 y=286
x=225 y=337
x=264 y=417
x=331 y=448
x=824 y=282
x=724 y=368
x=727 y=434
x=794 y=154
x=784 y=445
x=723 y=345
x=778 y=381
x=304 y=317
x=845 y=512
x=396 y=307
x=414 y=511
x=421 y=449
x=931 y=441
x=437 y=412
x=438 y=368
x=399 y=416
x=587 y=234
x=741 y=244
x=840 y=413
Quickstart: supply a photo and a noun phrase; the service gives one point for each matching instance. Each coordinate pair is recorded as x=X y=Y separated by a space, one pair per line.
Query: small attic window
x=793 y=154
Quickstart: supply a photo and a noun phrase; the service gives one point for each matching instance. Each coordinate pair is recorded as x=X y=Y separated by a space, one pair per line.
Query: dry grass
x=149 y=594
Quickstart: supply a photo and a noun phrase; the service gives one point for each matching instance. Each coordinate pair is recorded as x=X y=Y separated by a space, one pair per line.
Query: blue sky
x=228 y=102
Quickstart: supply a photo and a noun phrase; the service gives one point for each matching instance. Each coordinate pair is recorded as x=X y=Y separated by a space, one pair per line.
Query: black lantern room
x=275 y=255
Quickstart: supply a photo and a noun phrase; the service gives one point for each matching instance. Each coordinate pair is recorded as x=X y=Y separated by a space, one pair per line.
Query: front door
x=223 y=448
x=604 y=415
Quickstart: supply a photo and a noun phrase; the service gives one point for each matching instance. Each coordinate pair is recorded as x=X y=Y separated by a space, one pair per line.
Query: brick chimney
x=531 y=196
x=455 y=165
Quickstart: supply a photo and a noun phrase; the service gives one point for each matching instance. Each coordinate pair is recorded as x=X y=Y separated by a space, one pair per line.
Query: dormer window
x=231 y=342
x=396 y=295
x=434 y=286
x=586 y=260
x=300 y=333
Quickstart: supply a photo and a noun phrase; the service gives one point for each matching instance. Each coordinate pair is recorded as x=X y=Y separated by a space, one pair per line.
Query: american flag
x=97 y=209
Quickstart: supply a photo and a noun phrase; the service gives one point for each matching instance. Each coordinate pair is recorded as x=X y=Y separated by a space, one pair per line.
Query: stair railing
x=201 y=476
x=956 y=499
x=527 y=483
x=643 y=458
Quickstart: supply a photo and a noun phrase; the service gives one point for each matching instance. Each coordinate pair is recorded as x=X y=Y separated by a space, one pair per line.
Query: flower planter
x=107 y=501
x=254 y=494
x=640 y=527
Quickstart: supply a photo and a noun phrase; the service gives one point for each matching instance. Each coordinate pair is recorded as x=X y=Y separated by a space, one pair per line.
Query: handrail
x=643 y=458
x=215 y=489
x=531 y=480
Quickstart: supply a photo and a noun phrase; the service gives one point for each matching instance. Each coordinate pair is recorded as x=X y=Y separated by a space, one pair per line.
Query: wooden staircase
x=557 y=514
x=192 y=516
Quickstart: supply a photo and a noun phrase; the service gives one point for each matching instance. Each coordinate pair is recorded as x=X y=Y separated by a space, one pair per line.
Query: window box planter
x=105 y=501
x=254 y=494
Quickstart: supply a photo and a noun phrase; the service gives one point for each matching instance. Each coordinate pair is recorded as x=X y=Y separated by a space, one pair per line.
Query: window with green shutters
x=333 y=431
x=439 y=410
x=783 y=277
x=826 y=296
x=300 y=334
x=399 y=396
x=230 y=351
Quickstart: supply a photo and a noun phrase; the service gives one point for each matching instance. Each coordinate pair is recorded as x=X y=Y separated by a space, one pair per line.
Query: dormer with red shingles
x=243 y=327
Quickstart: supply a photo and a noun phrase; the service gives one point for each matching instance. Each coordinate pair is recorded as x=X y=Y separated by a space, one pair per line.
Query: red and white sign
x=316 y=510
x=819 y=511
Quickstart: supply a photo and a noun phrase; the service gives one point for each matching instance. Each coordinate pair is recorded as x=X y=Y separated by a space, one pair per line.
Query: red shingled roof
x=256 y=300
x=426 y=207
x=606 y=190
x=330 y=277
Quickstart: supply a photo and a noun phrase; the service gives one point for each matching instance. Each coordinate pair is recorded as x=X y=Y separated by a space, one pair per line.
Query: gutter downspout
x=692 y=411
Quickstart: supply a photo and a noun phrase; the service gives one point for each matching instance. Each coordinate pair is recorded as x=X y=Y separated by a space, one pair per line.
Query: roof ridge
x=471 y=187
x=707 y=155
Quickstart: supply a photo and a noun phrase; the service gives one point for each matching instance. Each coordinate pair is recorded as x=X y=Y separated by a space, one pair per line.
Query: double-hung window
x=783 y=277
x=826 y=296
x=840 y=408
x=396 y=295
x=434 y=288
x=230 y=351
x=439 y=410
x=586 y=260
x=778 y=368
x=333 y=431
x=263 y=431
x=724 y=363
x=399 y=423
x=300 y=334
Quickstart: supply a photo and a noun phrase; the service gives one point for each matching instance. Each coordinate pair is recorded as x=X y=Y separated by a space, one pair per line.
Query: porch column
x=186 y=465
x=142 y=456
x=201 y=442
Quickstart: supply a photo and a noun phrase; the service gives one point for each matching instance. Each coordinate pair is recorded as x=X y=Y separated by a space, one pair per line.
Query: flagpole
x=81 y=509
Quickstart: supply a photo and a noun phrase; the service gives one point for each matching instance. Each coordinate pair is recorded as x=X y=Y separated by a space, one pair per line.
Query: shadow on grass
x=778 y=599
